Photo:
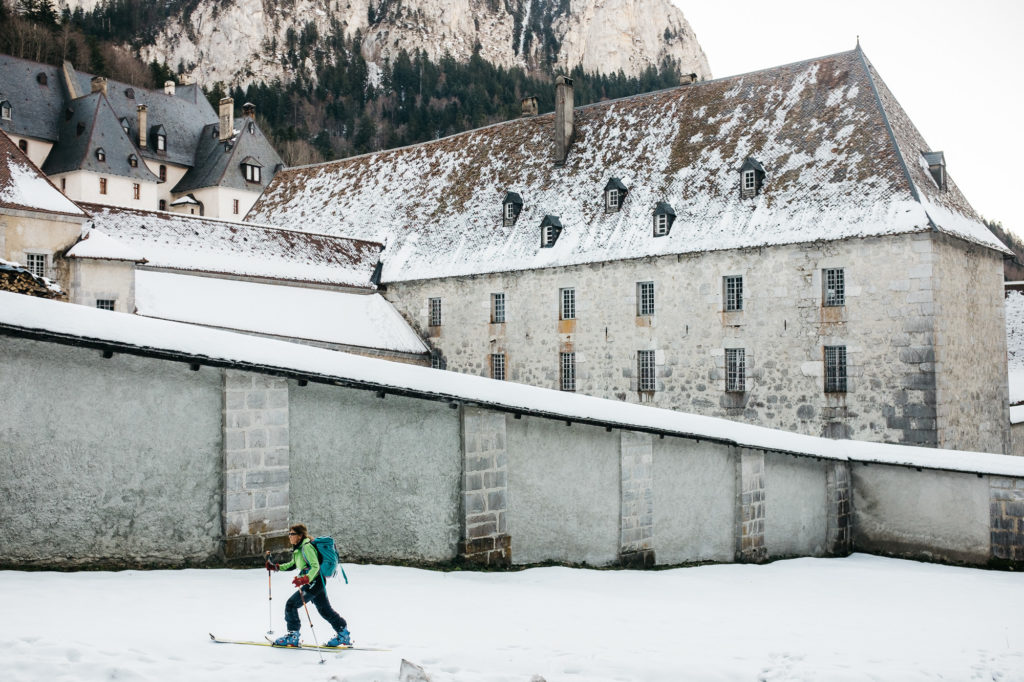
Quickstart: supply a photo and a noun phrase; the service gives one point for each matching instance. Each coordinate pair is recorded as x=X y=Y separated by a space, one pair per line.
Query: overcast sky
x=956 y=67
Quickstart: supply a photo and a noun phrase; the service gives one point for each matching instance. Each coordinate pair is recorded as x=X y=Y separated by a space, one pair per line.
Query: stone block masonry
x=1007 y=509
x=256 y=475
x=485 y=534
x=636 y=545
x=750 y=512
x=840 y=509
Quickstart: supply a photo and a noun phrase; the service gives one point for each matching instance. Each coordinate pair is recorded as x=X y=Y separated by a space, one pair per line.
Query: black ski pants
x=315 y=592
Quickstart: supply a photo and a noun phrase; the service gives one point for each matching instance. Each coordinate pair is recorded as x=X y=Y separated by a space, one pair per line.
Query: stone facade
x=839 y=495
x=637 y=525
x=1007 y=508
x=256 y=467
x=750 y=501
x=485 y=535
x=905 y=326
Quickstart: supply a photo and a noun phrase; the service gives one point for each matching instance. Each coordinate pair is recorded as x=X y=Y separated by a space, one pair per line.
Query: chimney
x=169 y=88
x=529 y=107
x=249 y=110
x=143 y=123
x=99 y=84
x=227 y=118
x=563 y=118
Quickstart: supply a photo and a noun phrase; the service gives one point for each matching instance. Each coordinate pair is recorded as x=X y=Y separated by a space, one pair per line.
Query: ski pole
x=270 y=602
x=312 y=629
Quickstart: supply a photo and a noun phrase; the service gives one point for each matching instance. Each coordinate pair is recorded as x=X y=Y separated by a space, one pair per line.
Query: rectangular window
x=733 y=285
x=735 y=370
x=498 y=308
x=105 y=303
x=234 y=206
x=549 y=236
x=645 y=370
x=749 y=182
x=510 y=212
x=645 y=298
x=613 y=199
x=834 y=282
x=103 y=185
x=437 y=360
x=567 y=370
x=435 y=312
x=835 y=369
x=660 y=225
x=567 y=310
x=498 y=366
x=36 y=264
x=63 y=184
x=136 y=190
x=163 y=173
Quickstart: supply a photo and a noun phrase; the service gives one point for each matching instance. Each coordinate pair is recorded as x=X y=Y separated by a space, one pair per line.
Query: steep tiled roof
x=818 y=128
x=192 y=243
x=89 y=125
x=219 y=164
x=24 y=187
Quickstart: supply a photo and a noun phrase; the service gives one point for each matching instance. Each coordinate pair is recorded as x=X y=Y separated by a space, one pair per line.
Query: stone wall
x=889 y=327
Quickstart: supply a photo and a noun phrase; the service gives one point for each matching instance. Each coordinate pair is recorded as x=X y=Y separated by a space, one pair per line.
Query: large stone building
x=111 y=143
x=780 y=247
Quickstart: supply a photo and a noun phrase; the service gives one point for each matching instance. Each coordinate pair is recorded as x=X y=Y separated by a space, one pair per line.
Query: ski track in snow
x=858 y=618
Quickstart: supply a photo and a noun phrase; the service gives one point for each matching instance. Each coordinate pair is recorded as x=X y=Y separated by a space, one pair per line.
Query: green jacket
x=304 y=558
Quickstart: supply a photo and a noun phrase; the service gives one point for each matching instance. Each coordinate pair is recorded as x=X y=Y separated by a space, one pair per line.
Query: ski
x=304 y=647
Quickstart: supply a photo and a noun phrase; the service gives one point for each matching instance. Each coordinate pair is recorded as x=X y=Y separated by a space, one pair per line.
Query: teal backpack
x=328 y=556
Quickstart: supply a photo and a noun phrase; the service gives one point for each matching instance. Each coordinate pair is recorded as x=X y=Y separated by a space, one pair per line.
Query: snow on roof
x=83 y=325
x=97 y=244
x=23 y=186
x=193 y=243
x=817 y=127
x=363 y=320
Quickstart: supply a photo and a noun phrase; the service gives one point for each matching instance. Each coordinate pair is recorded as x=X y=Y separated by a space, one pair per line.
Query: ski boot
x=342 y=638
x=291 y=639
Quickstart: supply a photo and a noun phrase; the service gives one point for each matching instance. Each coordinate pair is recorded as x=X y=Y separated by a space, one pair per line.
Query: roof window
x=664 y=216
x=550 y=228
x=252 y=169
x=511 y=207
x=751 y=177
x=125 y=127
x=5 y=110
x=41 y=78
x=101 y=155
x=937 y=167
x=133 y=161
x=160 y=138
x=614 y=195
x=129 y=93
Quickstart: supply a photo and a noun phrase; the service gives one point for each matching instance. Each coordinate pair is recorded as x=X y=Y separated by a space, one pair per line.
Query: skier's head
x=297 y=533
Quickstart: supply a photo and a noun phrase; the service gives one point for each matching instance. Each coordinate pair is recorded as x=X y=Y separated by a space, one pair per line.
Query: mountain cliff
x=245 y=41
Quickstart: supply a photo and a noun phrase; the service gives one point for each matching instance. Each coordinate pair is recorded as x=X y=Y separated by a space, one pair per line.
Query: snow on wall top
x=23 y=186
x=832 y=172
x=191 y=243
x=19 y=314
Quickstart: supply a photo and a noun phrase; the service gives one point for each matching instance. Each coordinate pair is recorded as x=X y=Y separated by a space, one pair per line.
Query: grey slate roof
x=219 y=164
x=93 y=125
x=37 y=108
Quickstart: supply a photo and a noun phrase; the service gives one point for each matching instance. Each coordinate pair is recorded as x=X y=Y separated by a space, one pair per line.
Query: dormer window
x=133 y=161
x=41 y=78
x=614 y=195
x=101 y=155
x=751 y=177
x=251 y=169
x=550 y=228
x=160 y=138
x=125 y=127
x=511 y=207
x=5 y=110
x=937 y=167
x=664 y=216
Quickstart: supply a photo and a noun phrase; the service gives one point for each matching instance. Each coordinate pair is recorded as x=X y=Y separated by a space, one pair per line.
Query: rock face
x=241 y=41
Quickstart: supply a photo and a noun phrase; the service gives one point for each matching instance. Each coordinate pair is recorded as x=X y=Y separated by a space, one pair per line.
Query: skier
x=312 y=587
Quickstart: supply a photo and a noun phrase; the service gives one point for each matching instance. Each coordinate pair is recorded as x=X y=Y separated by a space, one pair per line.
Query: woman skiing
x=312 y=588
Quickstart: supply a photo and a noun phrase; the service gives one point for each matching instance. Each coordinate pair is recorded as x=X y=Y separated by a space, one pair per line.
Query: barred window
x=834 y=282
x=645 y=370
x=437 y=360
x=498 y=308
x=733 y=285
x=105 y=303
x=660 y=225
x=567 y=362
x=835 y=369
x=498 y=366
x=136 y=190
x=435 y=312
x=749 y=183
x=613 y=199
x=735 y=370
x=36 y=264
x=549 y=236
x=567 y=310
x=645 y=298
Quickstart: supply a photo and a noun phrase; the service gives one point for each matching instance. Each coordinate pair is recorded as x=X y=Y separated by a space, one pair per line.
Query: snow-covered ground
x=858 y=618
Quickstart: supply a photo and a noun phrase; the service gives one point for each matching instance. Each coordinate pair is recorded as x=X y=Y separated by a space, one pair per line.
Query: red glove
x=300 y=580
x=271 y=566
